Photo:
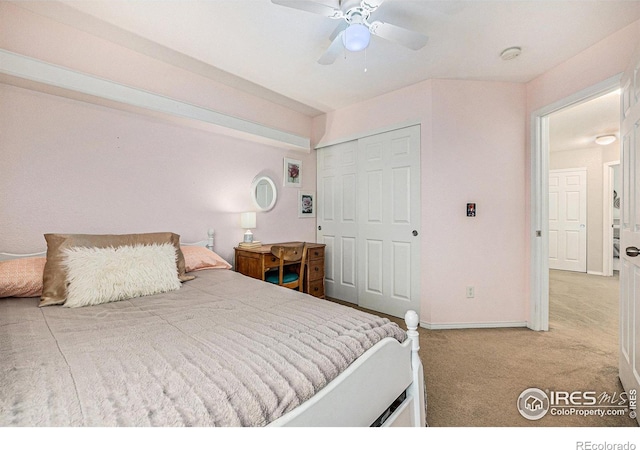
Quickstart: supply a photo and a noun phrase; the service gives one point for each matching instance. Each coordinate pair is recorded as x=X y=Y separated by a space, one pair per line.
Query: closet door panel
x=390 y=222
x=373 y=263
x=337 y=218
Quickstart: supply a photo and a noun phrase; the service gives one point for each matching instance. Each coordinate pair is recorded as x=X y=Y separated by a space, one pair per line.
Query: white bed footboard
x=363 y=392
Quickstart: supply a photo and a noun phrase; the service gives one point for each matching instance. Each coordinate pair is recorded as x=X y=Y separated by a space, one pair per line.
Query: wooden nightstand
x=254 y=262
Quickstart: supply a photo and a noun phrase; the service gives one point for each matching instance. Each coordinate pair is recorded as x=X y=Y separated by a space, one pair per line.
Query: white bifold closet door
x=337 y=225
x=369 y=217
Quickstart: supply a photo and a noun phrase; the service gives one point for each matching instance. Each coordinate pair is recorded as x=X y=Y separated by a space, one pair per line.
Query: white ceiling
x=576 y=127
x=272 y=51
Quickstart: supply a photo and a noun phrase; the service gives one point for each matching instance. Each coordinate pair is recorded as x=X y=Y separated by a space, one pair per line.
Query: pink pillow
x=22 y=277
x=201 y=258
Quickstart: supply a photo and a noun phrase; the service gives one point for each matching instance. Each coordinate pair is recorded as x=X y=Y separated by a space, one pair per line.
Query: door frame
x=539 y=224
x=607 y=216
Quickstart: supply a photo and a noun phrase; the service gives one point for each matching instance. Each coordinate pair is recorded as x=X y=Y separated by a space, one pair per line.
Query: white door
x=337 y=226
x=630 y=231
x=568 y=219
x=388 y=221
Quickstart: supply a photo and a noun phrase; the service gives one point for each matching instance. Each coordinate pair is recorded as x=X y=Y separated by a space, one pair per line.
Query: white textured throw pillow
x=101 y=275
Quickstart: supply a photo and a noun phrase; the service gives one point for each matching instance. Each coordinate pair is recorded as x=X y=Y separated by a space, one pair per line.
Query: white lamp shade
x=248 y=220
x=356 y=37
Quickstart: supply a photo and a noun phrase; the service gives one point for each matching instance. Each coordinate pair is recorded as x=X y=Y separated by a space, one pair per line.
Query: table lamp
x=248 y=221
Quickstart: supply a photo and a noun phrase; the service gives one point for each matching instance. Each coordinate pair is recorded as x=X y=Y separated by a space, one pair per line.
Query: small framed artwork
x=292 y=173
x=306 y=204
x=471 y=209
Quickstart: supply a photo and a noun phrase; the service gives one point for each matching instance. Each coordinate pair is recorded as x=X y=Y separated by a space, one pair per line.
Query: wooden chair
x=289 y=254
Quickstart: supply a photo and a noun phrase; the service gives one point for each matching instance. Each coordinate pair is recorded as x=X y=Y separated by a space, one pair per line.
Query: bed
x=222 y=350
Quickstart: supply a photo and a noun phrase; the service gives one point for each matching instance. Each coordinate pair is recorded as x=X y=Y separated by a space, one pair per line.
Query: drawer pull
x=315 y=289
x=316 y=268
x=273 y=259
x=316 y=253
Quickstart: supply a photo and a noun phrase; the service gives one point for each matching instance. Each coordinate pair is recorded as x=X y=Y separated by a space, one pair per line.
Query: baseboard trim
x=458 y=326
x=593 y=272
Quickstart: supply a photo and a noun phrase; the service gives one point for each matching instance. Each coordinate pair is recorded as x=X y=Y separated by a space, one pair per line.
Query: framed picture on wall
x=292 y=173
x=306 y=204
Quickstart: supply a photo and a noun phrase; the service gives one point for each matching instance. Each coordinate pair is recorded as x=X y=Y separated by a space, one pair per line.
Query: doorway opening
x=544 y=142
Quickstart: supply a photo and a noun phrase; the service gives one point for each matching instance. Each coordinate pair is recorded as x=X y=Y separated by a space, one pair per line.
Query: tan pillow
x=201 y=258
x=21 y=277
x=54 y=280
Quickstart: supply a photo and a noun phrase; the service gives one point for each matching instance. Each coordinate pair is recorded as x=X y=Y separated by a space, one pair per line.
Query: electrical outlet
x=471 y=292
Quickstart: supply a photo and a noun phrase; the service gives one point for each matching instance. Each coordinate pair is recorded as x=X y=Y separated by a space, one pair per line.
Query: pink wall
x=477 y=156
x=597 y=63
x=472 y=139
x=74 y=167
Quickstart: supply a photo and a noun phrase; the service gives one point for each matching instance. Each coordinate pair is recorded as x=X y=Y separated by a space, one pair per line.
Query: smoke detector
x=510 y=53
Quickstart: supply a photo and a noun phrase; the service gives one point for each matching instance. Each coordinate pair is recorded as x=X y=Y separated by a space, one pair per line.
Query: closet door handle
x=414 y=232
x=632 y=251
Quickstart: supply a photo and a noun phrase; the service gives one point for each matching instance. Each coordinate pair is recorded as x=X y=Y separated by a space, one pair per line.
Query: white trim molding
x=593 y=272
x=608 y=185
x=363 y=134
x=460 y=326
x=34 y=70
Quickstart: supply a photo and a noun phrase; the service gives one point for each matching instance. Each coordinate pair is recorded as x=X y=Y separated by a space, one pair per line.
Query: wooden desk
x=254 y=262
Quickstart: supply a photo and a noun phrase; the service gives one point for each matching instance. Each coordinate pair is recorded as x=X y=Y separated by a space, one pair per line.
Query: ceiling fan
x=355 y=31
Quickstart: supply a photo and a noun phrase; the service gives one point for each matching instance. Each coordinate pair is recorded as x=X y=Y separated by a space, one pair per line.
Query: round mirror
x=264 y=193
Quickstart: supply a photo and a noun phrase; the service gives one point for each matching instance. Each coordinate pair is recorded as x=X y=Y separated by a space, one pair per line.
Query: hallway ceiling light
x=606 y=139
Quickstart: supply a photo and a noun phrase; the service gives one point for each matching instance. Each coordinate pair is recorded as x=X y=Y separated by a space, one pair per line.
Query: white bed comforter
x=224 y=350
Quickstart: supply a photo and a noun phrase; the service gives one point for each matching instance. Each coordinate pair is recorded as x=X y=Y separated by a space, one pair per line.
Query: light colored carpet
x=474 y=376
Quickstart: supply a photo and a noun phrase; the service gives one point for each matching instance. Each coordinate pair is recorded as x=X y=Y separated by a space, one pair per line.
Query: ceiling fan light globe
x=356 y=37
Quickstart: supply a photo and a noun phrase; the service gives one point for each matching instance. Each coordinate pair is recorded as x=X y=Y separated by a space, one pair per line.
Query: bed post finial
x=210 y=240
x=412 y=320
x=416 y=389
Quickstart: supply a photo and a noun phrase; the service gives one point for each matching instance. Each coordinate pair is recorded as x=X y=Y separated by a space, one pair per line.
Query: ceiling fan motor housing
x=356 y=37
x=357 y=33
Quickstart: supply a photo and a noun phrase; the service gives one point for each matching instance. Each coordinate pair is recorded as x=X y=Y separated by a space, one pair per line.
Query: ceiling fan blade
x=330 y=55
x=339 y=29
x=371 y=5
x=312 y=7
x=402 y=36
